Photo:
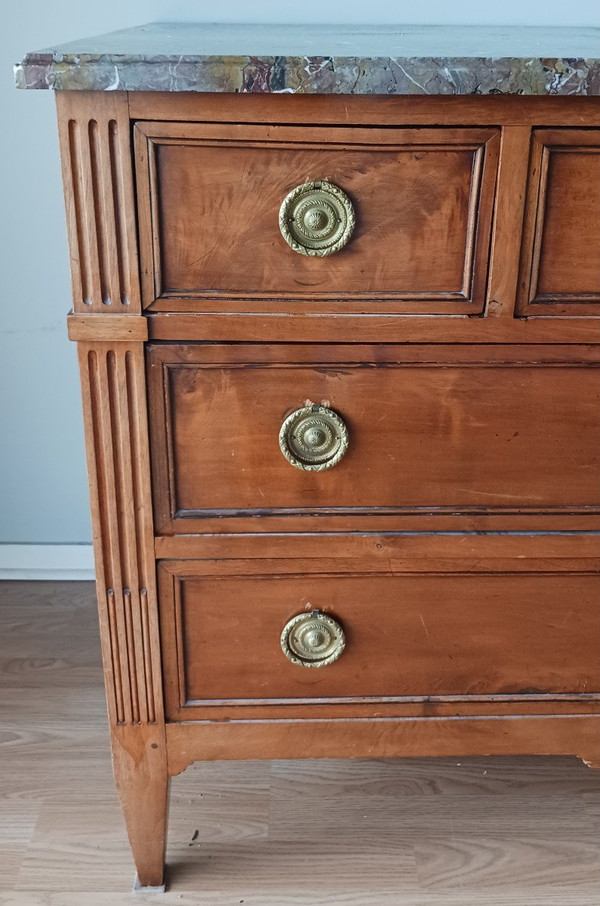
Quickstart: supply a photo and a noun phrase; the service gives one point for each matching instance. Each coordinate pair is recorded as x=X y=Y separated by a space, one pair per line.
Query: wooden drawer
x=560 y=266
x=209 y=200
x=444 y=637
x=431 y=428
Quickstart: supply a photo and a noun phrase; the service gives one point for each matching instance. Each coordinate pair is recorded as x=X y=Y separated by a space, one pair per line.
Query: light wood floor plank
x=510 y=862
x=452 y=777
x=234 y=896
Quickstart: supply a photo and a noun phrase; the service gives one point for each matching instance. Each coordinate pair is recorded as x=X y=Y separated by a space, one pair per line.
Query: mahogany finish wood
x=223 y=740
x=459 y=539
x=98 y=181
x=359 y=110
x=118 y=327
x=421 y=435
x=112 y=379
x=561 y=244
x=239 y=327
x=211 y=194
x=407 y=636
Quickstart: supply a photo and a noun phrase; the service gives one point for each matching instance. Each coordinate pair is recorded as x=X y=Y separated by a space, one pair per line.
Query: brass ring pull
x=312 y=639
x=313 y=438
x=316 y=219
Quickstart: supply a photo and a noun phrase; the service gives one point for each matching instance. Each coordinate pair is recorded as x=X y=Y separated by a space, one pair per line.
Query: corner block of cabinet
x=106 y=327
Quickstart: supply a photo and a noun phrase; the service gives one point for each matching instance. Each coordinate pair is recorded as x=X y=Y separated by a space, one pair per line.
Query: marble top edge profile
x=410 y=60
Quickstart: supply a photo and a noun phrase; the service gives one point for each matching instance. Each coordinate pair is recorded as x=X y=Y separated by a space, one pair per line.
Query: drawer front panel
x=408 y=637
x=560 y=270
x=210 y=198
x=451 y=434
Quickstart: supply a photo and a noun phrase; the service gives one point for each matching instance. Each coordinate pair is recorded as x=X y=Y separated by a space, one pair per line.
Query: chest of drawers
x=339 y=361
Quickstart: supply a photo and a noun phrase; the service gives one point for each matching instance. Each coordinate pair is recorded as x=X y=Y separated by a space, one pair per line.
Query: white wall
x=43 y=493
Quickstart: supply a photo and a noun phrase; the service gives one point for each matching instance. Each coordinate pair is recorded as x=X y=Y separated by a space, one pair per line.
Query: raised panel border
x=172 y=576
x=530 y=302
x=170 y=520
x=484 y=143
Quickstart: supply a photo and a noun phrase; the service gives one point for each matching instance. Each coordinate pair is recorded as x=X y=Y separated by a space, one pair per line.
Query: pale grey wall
x=43 y=494
x=43 y=489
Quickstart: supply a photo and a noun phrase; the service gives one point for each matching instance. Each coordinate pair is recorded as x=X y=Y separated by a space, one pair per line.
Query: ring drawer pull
x=313 y=438
x=312 y=639
x=316 y=219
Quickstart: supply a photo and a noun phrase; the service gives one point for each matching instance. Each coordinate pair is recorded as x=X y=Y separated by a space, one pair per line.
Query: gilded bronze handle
x=312 y=639
x=316 y=218
x=313 y=438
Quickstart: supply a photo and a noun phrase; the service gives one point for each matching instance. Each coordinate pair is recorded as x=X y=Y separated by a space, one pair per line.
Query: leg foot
x=137 y=887
x=140 y=767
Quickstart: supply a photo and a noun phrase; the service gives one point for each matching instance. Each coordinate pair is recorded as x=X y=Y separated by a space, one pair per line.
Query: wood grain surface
x=560 y=265
x=98 y=187
x=407 y=637
x=428 y=428
x=242 y=327
x=414 y=832
x=116 y=433
x=374 y=110
x=209 y=195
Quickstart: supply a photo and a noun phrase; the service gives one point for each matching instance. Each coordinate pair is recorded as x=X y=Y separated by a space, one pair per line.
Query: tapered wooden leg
x=140 y=768
x=118 y=463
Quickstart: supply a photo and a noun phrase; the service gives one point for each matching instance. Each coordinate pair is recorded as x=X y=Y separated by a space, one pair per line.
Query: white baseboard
x=46 y=561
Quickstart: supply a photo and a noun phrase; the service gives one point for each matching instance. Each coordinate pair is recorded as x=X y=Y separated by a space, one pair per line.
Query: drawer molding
x=560 y=267
x=474 y=434
x=195 y=214
x=431 y=640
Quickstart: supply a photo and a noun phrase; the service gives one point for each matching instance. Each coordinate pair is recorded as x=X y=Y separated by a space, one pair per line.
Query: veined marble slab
x=323 y=60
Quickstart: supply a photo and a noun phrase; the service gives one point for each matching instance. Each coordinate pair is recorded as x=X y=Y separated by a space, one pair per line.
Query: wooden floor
x=514 y=831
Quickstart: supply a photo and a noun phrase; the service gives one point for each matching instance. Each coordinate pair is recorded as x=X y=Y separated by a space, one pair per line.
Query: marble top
x=321 y=59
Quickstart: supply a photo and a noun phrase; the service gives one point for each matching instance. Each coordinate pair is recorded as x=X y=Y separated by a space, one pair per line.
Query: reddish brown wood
x=429 y=521
x=98 y=328
x=238 y=327
x=139 y=764
x=406 y=637
x=414 y=546
x=222 y=740
x=508 y=218
x=374 y=110
x=381 y=354
x=421 y=435
x=423 y=201
x=560 y=268
x=98 y=184
x=112 y=376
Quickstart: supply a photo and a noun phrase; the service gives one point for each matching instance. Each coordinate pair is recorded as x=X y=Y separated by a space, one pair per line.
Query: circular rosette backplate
x=313 y=438
x=312 y=639
x=316 y=218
